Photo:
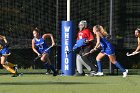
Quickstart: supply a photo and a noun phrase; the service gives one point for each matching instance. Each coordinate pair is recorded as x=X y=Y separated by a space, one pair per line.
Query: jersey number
x=40 y=46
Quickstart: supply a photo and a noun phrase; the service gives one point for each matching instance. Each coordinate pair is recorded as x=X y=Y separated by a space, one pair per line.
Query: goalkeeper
x=4 y=53
x=84 y=35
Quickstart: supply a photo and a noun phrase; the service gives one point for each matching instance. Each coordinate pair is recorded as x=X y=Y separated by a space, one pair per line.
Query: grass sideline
x=40 y=83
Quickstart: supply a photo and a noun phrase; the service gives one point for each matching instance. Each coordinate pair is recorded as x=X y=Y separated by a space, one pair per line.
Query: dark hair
x=138 y=29
x=36 y=29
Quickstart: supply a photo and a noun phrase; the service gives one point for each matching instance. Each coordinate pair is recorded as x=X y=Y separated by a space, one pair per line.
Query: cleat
x=48 y=72
x=125 y=73
x=55 y=74
x=21 y=74
x=92 y=73
x=99 y=74
x=16 y=75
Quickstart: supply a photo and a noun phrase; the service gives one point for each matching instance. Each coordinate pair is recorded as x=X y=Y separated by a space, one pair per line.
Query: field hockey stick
x=36 y=58
x=70 y=51
x=42 y=54
x=133 y=53
x=85 y=54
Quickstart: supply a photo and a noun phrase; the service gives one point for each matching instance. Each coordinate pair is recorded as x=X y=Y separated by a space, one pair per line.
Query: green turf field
x=39 y=83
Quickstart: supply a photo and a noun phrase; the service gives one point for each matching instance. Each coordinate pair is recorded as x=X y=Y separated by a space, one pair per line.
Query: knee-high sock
x=52 y=68
x=9 y=69
x=47 y=65
x=9 y=64
x=119 y=66
x=99 y=64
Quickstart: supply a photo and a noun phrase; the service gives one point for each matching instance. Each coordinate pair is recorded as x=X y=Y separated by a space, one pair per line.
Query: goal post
x=67 y=60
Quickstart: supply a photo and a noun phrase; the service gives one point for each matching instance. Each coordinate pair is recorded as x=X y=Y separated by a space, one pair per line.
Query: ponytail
x=101 y=30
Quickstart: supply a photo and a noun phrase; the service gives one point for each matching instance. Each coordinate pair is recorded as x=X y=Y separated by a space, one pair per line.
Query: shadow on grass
x=49 y=83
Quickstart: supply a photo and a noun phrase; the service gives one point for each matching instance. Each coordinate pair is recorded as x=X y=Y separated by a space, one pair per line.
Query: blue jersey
x=107 y=47
x=3 y=49
x=41 y=45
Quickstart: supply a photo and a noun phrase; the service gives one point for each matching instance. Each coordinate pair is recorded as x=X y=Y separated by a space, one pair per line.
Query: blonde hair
x=1 y=47
x=101 y=30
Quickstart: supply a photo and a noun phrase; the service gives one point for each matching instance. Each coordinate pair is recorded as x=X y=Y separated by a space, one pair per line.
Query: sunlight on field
x=64 y=84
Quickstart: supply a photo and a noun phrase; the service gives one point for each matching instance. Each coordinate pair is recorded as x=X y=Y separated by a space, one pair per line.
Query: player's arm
x=4 y=38
x=138 y=47
x=34 y=47
x=98 y=41
x=90 y=37
x=51 y=36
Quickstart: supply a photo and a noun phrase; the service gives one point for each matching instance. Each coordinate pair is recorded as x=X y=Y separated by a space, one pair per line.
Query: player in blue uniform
x=137 y=34
x=107 y=49
x=39 y=46
x=4 y=53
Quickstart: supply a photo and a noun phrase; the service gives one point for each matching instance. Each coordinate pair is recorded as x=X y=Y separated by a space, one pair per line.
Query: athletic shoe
x=55 y=73
x=99 y=74
x=92 y=73
x=16 y=75
x=125 y=73
x=48 y=72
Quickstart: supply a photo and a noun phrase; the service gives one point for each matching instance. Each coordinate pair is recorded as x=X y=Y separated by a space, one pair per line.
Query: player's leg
x=88 y=64
x=3 y=62
x=15 y=66
x=52 y=67
x=86 y=61
x=117 y=64
x=11 y=65
x=99 y=64
x=46 y=64
x=44 y=58
x=79 y=66
x=48 y=68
